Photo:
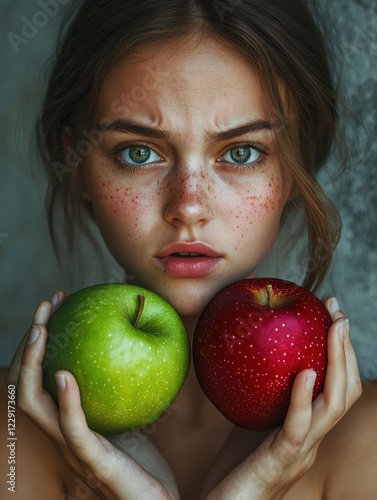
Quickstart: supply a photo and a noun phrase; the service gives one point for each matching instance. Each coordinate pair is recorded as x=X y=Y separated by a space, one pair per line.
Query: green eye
x=242 y=154
x=138 y=155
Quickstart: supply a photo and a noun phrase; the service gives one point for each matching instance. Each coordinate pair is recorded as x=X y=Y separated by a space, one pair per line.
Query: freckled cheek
x=266 y=199
x=273 y=198
x=120 y=206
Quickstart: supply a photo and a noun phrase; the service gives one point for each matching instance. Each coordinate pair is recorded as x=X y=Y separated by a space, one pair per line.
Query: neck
x=191 y=393
x=197 y=408
x=190 y=323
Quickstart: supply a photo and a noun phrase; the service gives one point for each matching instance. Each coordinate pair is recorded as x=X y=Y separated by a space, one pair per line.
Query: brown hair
x=278 y=37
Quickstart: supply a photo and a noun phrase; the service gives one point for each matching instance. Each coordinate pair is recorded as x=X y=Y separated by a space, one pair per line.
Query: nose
x=188 y=202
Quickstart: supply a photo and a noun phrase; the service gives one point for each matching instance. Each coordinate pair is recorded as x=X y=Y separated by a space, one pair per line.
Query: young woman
x=190 y=130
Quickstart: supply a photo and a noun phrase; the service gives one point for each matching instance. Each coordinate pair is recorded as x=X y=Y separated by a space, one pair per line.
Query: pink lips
x=188 y=260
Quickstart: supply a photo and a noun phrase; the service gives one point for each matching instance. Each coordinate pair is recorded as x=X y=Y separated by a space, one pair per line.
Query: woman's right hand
x=271 y=469
x=110 y=472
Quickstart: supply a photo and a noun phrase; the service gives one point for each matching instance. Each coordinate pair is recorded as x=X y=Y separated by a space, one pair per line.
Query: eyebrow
x=123 y=125
x=246 y=128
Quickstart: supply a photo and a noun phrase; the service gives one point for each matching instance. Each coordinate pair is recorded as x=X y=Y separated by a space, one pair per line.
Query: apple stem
x=269 y=295
x=141 y=300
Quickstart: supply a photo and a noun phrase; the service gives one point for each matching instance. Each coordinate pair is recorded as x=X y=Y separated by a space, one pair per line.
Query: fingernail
x=334 y=306
x=342 y=330
x=60 y=382
x=55 y=299
x=34 y=334
x=310 y=381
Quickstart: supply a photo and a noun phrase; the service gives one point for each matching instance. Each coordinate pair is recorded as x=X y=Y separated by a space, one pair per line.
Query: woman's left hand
x=288 y=452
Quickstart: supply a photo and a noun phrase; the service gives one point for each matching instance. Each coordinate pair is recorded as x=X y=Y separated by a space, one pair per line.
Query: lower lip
x=189 y=267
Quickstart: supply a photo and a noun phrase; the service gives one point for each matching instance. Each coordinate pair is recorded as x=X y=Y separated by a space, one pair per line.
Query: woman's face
x=185 y=183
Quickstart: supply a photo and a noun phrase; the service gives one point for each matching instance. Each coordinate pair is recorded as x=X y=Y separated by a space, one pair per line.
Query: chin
x=188 y=297
x=188 y=304
x=188 y=310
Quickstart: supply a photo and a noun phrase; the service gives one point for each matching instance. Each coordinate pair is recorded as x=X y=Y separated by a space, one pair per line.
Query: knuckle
x=295 y=445
x=337 y=411
x=76 y=443
x=271 y=472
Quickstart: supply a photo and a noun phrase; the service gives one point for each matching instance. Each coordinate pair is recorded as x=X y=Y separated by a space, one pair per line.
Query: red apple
x=250 y=342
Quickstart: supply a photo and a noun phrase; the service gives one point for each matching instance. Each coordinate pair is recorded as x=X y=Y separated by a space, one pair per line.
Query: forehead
x=200 y=81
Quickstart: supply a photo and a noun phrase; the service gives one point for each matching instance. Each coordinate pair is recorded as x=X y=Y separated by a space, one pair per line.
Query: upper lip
x=188 y=247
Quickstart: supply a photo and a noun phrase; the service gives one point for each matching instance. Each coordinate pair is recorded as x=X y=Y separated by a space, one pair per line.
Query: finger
x=332 y=306
x=290 y=440
x=72 y=417
x=58 y=300
x=14 y=368
x=32 y=398
x=354 y=386
x=330 y=405
x=48 y=307
x=43 y=313
x=84 y=443
x=41 y=316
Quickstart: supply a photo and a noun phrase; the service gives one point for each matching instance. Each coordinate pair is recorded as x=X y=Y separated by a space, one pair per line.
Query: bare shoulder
x=30 y=465
x=350 y=451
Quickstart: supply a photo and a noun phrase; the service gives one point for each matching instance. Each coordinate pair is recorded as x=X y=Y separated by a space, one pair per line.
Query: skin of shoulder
x=349 y=451
x=39 y=472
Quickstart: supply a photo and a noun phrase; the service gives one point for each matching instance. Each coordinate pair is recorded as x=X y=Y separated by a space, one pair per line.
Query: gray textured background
x=29 y=271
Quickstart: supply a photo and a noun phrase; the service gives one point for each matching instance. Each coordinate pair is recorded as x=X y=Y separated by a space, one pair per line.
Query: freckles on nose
x=188 y=195
x=191 y=184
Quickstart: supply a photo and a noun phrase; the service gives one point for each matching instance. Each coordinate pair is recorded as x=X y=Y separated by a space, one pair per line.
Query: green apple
x=128 y=350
